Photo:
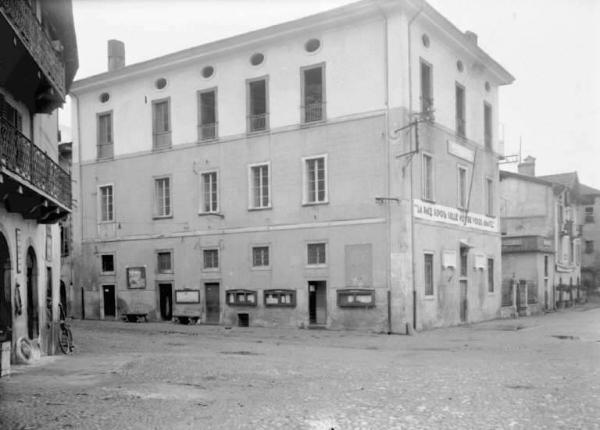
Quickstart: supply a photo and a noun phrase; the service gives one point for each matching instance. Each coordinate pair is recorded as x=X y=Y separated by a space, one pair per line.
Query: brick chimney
x=472 y=36
x=527 y=166
x=116 y=55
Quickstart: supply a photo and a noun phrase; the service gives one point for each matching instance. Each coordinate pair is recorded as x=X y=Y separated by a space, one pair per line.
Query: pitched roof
x=536 y=179
x=567 y=179
x=584 y=190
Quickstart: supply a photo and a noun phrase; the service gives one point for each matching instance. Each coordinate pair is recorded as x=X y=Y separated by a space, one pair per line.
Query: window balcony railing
x=35 y=39
x=314 y=112
x=21 y=157
x=257 y=122
x=207 y=131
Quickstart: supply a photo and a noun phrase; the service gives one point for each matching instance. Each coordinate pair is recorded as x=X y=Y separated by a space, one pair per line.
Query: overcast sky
x=552 y=47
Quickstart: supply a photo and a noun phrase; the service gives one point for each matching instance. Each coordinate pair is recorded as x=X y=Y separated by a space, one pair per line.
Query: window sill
x=257 y=132
x=169 y=273
x=211 y=270
x=261 y=268
x=428 y=200
x=305 y=124
x=260 y=209
x=315 y=203
x=211 y=141
x=316 y=266
x=107 y=273
x=217 y=214
x=159 y=217
x=429 y=298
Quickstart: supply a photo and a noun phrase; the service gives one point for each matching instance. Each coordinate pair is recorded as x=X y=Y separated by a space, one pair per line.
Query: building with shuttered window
x=339 y=170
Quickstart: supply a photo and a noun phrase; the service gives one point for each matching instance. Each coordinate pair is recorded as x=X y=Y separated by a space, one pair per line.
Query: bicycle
x=65 y=337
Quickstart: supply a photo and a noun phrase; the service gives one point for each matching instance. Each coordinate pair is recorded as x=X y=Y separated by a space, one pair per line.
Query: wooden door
x=109 y=300
x=213 y=303
x=165 y=292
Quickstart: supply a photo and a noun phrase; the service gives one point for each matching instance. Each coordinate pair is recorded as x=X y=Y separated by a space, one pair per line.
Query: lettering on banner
x=453 y=216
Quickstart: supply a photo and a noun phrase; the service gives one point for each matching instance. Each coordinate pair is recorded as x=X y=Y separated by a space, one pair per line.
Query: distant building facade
x=589 y=218
x=38 y=57
x=339 y=171
x=541 y=242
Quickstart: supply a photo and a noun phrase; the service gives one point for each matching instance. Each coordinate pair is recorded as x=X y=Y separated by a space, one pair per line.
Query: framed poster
x=18 y=250
x=187 y=296
x=136 y=277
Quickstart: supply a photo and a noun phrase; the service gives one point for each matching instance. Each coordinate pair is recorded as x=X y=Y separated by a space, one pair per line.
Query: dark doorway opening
x=317 y=302
x=5 y=291
x=213 y=303
x=49 y=313
x=165 y=293
x=33 y=318
x=243 y=320
x=63 y=296
x=109 y=300
x=463 y=301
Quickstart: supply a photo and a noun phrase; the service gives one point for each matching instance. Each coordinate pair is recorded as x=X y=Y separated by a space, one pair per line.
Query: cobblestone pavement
x=538 y=372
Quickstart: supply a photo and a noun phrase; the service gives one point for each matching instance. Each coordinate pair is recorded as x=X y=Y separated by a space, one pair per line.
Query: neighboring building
x=541 y=243
x=339 y=170
x=38 y=60
x=589 y=218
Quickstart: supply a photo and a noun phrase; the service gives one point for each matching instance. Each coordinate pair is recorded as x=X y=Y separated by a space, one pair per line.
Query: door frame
x=323 y=283
x=158 y=284
x=114 y=285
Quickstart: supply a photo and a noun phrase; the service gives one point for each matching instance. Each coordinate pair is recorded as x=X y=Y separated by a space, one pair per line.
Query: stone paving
x=530 y=373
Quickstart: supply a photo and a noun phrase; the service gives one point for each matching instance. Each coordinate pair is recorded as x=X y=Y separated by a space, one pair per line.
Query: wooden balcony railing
x=20 y=156
x=35 y=39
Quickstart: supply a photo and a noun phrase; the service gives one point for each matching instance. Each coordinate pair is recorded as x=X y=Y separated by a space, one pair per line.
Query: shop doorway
x=213 y=302
x=5 y=291
x=317 y=302
x=33 y=317
x=108 y=292
x=165 y=297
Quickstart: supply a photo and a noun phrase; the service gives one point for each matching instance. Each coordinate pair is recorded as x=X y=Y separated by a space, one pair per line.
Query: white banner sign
x=443 y=214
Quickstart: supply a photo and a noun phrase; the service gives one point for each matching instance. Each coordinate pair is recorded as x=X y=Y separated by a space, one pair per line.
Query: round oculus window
x=425 y=40
x=208 y=71
x=460 y=66
x=104 y=97
x=257 y=59
x=312 y=45
x=160 y=83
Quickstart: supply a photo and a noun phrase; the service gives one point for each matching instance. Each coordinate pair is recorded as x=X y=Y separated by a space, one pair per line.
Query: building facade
x=324 y=172
x=590 y=245
x=38 y=54
x=541 y=243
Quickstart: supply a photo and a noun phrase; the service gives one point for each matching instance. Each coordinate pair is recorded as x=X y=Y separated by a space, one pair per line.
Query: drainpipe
x=388 y=211
x=79 y=201
x=412 y=218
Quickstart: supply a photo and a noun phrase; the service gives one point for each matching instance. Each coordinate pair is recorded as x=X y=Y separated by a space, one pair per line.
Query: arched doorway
x=33 y=318
x=5 y=291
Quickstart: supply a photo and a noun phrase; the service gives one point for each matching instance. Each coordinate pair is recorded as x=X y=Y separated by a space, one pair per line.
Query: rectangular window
x=106 y=204
x=11 y=115
x=428 y=264
x=427 y=165
x=161 y=124
x=105 y=147
x=164 y=262
x=487 y=125
x=490 y=268
x=462 y=188
x=259 y=187
x=313 y=94
x=464 y=253
x=460 y=111
x=207 y=109
x=280 y=298
x=257 y=105
x=211 y=259
x=426 y=87
x=315 y=180
x=210 y=196
x=316 y=254
x=241 y=297
x=108 y=263
x=162 y=197
x=546 y=265
x=589 y=214
x=489 y=186
x=260 y=256
x=355 y=298
x=589 y=246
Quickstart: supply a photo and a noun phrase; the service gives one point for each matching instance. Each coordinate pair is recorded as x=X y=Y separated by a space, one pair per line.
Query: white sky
x=552 y=47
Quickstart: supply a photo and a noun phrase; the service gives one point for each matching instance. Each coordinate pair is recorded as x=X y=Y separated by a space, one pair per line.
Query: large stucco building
x=38 y=60
x=339 y=170
x=541 y=242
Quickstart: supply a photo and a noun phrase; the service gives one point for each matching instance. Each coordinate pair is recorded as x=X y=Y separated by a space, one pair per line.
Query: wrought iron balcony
x=43 y=178
x=207 y=131
x=257 y=122
x=32 y=35
x=313 y=112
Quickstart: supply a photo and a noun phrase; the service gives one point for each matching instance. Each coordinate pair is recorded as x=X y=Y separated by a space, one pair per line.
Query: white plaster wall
x=353 y=57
